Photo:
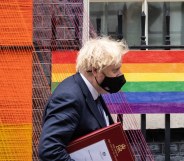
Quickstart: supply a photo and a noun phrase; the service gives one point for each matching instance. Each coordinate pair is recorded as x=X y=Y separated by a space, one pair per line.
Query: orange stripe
x=152 y=68
x=63 y=68
x=16 y=22
x=16 y=87
x=130 y=68
x=15 y=116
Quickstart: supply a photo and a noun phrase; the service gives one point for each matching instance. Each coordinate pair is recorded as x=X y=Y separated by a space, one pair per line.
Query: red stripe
x=133 y=56
x=62 y=57
x=156 y=56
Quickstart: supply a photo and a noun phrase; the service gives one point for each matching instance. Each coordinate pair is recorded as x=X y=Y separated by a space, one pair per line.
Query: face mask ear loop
x=100 y=85
x=95 y=78
x=97 y=81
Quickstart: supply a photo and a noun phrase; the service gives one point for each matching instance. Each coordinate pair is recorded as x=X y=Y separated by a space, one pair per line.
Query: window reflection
x=123 y=20
x=177 y=23
x=155 y=24
x=104 y=15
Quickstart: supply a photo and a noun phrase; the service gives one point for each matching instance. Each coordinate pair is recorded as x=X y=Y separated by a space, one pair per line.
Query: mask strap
x=100 y=85
x=97 y=81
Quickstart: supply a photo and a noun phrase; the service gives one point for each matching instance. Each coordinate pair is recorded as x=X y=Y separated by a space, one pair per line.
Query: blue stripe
x=145 y=97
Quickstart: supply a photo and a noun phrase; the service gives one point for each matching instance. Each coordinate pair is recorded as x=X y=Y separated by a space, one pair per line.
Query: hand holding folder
x=106 y=144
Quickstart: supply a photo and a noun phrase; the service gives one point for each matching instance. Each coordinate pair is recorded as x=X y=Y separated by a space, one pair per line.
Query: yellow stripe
x=133 y=77
x=152 y=68
x=58 y=77
x=157 y=77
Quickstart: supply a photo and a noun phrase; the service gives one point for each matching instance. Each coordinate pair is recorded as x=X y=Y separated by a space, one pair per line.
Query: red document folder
x=106 y=144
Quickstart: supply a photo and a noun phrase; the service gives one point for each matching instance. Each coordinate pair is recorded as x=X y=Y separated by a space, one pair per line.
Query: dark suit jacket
x=70 y=113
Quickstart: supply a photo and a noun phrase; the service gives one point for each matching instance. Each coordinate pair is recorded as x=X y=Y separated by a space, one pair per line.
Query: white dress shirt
x=95 y=95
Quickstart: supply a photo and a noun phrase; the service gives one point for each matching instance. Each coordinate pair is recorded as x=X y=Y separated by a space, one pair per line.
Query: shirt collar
x=92 y=90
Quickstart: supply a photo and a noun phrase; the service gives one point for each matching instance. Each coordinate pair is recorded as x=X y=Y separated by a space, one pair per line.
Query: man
x=71 y=111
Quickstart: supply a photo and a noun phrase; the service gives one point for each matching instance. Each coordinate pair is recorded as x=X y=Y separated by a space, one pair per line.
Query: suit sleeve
x=60 y=122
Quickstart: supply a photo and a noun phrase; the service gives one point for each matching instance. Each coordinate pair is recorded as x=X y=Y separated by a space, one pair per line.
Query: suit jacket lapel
x=93 y=107
x=89 y=99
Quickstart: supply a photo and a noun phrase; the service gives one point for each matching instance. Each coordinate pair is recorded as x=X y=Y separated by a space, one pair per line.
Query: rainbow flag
x=63 y=66
x=155 y=80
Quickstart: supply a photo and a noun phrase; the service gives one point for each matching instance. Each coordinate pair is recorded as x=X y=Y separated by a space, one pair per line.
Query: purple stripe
x=146 y=108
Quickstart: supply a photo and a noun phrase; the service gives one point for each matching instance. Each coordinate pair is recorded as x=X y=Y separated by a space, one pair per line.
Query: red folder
x=108 y=144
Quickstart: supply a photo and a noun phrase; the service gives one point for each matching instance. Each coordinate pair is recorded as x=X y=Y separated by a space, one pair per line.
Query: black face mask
x=112 y=84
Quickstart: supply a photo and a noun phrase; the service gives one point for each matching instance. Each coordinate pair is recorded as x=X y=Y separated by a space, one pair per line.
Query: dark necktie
x=100 y=108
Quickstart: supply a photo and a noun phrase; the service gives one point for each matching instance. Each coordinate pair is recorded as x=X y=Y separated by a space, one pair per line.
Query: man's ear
x=94 y=71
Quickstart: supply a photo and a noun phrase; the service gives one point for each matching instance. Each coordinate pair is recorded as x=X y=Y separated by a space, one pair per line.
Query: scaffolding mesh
x=16 y=80
x=27 y=73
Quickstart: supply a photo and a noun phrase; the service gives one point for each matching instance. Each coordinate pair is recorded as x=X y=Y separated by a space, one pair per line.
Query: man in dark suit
x=71 y=111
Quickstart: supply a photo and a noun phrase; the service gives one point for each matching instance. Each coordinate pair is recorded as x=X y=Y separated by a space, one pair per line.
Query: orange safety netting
x=16 y=22
x=16 y=80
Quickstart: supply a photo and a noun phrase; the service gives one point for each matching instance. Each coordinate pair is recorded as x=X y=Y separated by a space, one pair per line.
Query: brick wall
x=54 y=25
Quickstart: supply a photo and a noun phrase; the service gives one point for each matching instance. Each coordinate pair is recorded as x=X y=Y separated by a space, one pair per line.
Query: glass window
x=118 y=19
x=123 y=20
x=177 y=23
x=155 y=23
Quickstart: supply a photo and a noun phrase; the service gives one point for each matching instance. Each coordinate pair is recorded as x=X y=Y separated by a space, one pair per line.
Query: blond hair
x=100 y=53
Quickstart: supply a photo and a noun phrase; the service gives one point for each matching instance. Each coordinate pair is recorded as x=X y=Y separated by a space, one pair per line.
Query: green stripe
x=54 y=85
x=145 y=86
x=153 y=86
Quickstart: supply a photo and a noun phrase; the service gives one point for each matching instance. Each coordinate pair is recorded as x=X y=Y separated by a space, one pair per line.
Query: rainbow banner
x=155 y=80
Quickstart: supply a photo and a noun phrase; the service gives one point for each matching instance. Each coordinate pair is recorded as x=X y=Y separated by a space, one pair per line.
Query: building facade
x=158 y=25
